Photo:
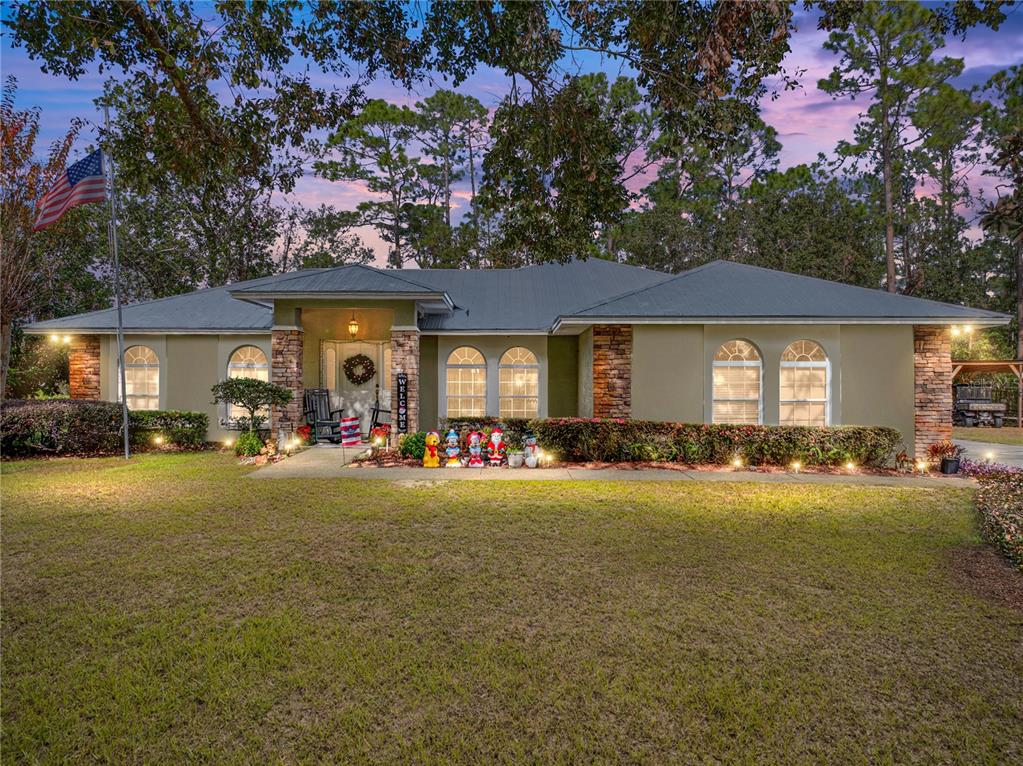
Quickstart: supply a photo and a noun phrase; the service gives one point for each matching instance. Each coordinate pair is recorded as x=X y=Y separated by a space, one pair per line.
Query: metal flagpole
x=112 y=239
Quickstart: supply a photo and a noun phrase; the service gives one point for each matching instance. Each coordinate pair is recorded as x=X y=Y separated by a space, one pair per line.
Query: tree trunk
x=6 y=333
x=1019 y=301
x=889 y=217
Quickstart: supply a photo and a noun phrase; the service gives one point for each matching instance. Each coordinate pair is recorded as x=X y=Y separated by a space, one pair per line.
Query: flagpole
x=112 y=240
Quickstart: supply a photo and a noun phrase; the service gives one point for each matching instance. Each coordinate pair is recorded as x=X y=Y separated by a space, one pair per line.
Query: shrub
x=513 y=428
x=59 y=427
x=180 y=429
x=248 y=443
x=251 y=395
x=944 y=449
x=613 y=440
x=412 y=445
x=1000 y=502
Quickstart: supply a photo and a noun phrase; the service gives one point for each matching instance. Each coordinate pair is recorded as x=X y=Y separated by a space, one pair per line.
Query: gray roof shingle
x=533 y=298
x=728 y=290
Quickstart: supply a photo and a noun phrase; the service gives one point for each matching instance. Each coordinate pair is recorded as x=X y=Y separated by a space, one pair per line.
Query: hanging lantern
x=353 y=326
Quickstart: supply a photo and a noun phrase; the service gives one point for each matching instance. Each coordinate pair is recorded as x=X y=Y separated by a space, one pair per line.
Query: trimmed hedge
x=513 y=428
x=614 y=440
x=87 y=427
x=181 y=429
x=59 y=427
x=1000 y=502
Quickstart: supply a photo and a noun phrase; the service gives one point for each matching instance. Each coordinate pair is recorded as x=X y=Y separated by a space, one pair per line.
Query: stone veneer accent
x=405 y=358
x=286 y=370
x=932 y=365
x=612 y=371
x=83 y=361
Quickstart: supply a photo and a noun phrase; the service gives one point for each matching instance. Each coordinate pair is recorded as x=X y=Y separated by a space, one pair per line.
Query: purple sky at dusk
x=808 y=121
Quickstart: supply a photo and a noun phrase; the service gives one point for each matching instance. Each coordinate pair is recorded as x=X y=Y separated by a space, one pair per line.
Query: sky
x=808 y=121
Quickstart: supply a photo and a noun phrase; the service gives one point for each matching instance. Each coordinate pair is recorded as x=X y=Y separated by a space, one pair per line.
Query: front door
x=357 y=397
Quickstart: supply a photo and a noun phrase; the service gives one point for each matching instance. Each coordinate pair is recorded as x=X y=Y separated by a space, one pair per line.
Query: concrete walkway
x=1006 y=454
x=331 y=462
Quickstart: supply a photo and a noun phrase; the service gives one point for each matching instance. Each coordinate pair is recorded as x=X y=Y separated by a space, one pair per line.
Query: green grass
x=1003 y=435
x=173 y=611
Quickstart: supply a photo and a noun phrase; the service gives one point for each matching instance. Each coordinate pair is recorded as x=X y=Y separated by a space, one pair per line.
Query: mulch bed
x=983 y=572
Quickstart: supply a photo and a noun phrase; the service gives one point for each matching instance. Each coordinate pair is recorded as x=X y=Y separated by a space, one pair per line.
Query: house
x=722 y=343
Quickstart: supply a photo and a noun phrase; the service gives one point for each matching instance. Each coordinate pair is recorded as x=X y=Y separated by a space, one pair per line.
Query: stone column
x=932 y=373
x=612 y=371
x=405 y=358
x=286 y=370
x=84 y=365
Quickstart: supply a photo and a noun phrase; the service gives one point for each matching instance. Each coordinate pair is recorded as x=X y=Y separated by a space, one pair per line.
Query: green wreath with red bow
x=359 y=369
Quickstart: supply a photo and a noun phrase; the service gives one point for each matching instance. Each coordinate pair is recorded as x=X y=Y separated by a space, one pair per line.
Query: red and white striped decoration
x=81 y=183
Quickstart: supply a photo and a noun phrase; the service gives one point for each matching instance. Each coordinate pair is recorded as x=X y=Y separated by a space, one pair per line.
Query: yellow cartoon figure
x=431 y=458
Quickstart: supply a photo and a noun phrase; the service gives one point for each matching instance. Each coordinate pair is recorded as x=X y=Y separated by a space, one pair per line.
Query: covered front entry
x=357 y=397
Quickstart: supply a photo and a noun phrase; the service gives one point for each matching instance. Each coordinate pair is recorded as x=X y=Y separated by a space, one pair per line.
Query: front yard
x=173 y=611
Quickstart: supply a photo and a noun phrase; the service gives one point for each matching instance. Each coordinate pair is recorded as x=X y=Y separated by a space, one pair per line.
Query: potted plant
x=515 y=458
x=948 y=454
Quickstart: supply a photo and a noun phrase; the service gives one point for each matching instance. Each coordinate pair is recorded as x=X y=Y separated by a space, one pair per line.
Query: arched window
x=467 y=383
x=737 y=384
x=804 y=384
x=519 y=384
x=141 y=378
x=246 y=362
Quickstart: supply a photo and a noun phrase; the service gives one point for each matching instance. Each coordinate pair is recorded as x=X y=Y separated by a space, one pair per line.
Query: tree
x=251 y=395
x=373 y=147
x=28 y=265
x=328 y=240
x=886 y=53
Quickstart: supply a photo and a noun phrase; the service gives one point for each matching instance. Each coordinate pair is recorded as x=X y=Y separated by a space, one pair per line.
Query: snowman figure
x=495 y=448
x=452 y=450
x=475 y=449
x=530 y=450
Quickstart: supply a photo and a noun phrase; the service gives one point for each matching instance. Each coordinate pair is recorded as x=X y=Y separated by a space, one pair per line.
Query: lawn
x=1003 y=435
x=172 y=610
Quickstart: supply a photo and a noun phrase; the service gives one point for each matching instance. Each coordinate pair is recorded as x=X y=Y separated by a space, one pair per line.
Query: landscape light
x=54 y=339
x=737 y=461
x=378 y=442
x=989 y=456
x=796 y=465
x=921 y=465
x=955 y=331
x=228 y=442
x=850 y=465
x=67 y=338
x=157 y=439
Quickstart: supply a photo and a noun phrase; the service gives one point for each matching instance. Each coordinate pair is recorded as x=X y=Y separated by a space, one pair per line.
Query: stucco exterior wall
x=492 y=347
x=562 y=373
x=667 y=375
x=189 y=366
x=584 y=385
x=428 y=391
x=877 y=378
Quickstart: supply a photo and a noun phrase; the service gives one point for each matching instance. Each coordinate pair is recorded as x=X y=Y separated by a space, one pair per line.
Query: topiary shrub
x=186 y=430
x=251 y=395
x=613 y=440
x=248 y=443
x=59 y=427
x=412 y=445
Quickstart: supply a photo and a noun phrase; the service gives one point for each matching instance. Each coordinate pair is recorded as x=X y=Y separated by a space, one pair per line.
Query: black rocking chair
x=326 y=423
x=374 y=419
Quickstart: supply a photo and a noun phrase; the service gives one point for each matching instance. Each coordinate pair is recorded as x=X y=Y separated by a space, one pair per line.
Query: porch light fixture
x=353 y=326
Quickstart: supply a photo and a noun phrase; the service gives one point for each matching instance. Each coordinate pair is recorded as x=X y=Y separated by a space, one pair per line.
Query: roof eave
x=987 y=320
x=253 y=296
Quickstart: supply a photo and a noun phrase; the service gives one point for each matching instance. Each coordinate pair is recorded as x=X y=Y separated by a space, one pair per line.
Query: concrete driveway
x=1006 y=454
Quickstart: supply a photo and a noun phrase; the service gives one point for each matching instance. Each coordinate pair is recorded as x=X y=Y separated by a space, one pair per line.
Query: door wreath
x=359 y=369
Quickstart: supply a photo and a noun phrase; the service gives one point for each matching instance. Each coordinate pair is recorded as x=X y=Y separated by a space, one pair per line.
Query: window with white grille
x=141 y=378
x=519 y=384
x=466 y=383
x=804 y=385
x=737 y=384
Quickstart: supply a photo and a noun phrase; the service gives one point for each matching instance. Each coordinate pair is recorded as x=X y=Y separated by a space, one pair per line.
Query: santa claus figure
x=495 y=447
x=475 y=450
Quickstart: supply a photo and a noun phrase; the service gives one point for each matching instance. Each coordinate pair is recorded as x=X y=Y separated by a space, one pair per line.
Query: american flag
x=81 y=183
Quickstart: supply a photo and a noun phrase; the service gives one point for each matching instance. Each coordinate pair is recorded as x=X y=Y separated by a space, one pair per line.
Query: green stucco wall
x=667 y=373
x=562 y=376
x=877 y=378
x=428 y=393
x=584 y=385
x=403 y=312
x=319 y=324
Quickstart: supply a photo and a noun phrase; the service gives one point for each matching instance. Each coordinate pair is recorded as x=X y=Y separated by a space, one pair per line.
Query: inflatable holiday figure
x=430 y=457
x=475 y=449
x=495 y=447
x=530 y=450
x=453 y=451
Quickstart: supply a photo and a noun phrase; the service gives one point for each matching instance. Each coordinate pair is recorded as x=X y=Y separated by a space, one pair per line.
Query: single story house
x=721 y=343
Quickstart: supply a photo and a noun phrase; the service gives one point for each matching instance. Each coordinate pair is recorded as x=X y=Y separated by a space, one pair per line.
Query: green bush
x=59 y=427
x=412 y=445
x=513 y=428
x=180 y=429
x=1000 y=502
x=613 y=440
x=248 y=443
